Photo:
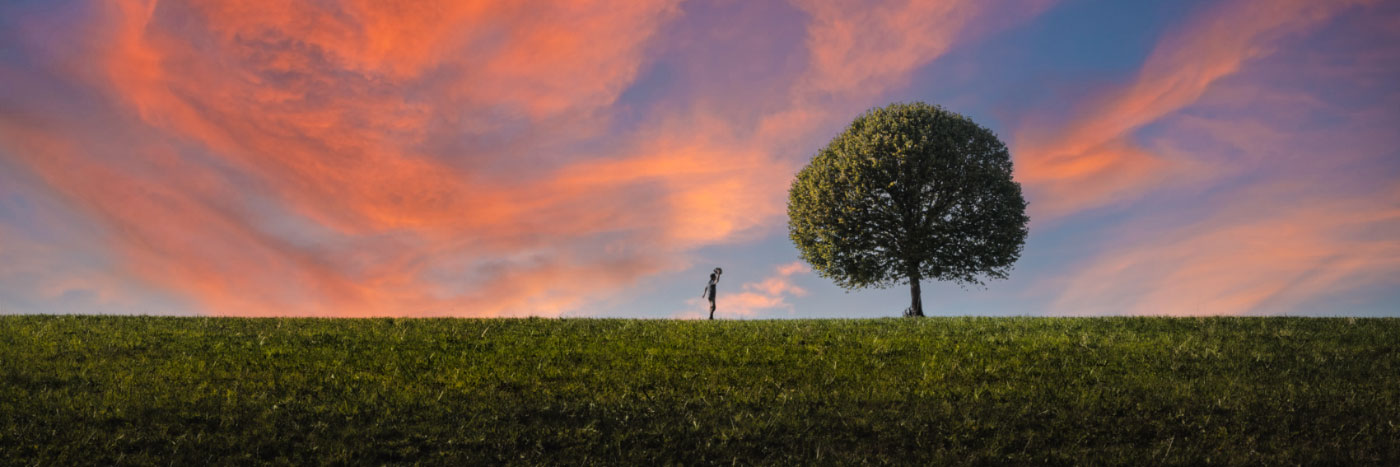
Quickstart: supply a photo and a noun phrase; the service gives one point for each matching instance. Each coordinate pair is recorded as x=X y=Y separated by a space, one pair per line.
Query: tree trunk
x=916 y=306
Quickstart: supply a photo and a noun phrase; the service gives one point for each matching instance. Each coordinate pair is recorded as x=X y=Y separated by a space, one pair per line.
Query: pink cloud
x=1092 y=161
x=1297 y=205
x=858 y=51
x=754 y=298
x=1244 y=258
x=288 y=159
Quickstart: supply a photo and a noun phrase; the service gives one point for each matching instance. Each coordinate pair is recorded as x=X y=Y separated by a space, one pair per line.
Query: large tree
x=907 y=192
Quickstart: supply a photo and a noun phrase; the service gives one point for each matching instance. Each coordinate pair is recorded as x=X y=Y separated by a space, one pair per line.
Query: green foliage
x=1118 y=391
x=909 y=191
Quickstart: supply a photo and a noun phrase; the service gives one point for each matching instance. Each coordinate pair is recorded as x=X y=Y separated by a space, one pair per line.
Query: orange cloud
x=360 y=158
x=769 y=294
x=1293 y=211
x=855 y=45
x=1253 y=255
x=868 y=48
x=1091 y=162
x=861 y=50
x=314 y=110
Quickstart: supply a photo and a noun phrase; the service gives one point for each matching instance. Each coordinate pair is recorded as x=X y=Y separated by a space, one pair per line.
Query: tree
x=907 y=192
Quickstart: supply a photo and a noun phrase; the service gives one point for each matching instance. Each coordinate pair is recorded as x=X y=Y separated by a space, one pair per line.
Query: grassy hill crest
x=81 y=390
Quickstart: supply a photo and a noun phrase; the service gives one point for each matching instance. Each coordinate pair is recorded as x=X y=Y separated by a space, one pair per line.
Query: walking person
x=710 y=290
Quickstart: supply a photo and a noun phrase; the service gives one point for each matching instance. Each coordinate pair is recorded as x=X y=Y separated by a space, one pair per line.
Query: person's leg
x=712 y=309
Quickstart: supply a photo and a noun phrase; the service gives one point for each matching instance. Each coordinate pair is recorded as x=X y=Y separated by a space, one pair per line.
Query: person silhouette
x=710 y=290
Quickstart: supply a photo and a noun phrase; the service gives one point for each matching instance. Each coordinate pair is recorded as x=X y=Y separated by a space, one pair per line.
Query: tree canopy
x=906 y=192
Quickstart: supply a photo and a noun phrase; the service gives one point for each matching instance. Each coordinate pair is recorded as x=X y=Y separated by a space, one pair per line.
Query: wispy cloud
x=353 y=158
x=1092 y=159
x=1246 y=257
x=765 y=296
x=1259 y=193
x=464 y=158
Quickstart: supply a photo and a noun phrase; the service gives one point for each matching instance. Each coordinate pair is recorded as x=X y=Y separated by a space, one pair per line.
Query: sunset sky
x=599 y=158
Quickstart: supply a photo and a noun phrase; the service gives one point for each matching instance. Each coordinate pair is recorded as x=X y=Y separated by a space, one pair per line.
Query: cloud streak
x=766 y=296
x=1092 y=160
x=1243 y=204
x=361 y=158
x=1244 y=259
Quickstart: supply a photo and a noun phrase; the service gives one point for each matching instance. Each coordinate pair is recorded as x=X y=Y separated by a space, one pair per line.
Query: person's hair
x=712 y=276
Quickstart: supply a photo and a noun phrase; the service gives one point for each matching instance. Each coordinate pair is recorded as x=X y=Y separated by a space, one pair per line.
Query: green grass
x=191 y=391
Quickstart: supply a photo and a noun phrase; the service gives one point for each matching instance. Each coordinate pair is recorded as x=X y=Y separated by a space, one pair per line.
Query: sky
x=349 y=158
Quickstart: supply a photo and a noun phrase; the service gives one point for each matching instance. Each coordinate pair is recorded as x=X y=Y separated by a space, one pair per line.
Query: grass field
x=192 y=391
